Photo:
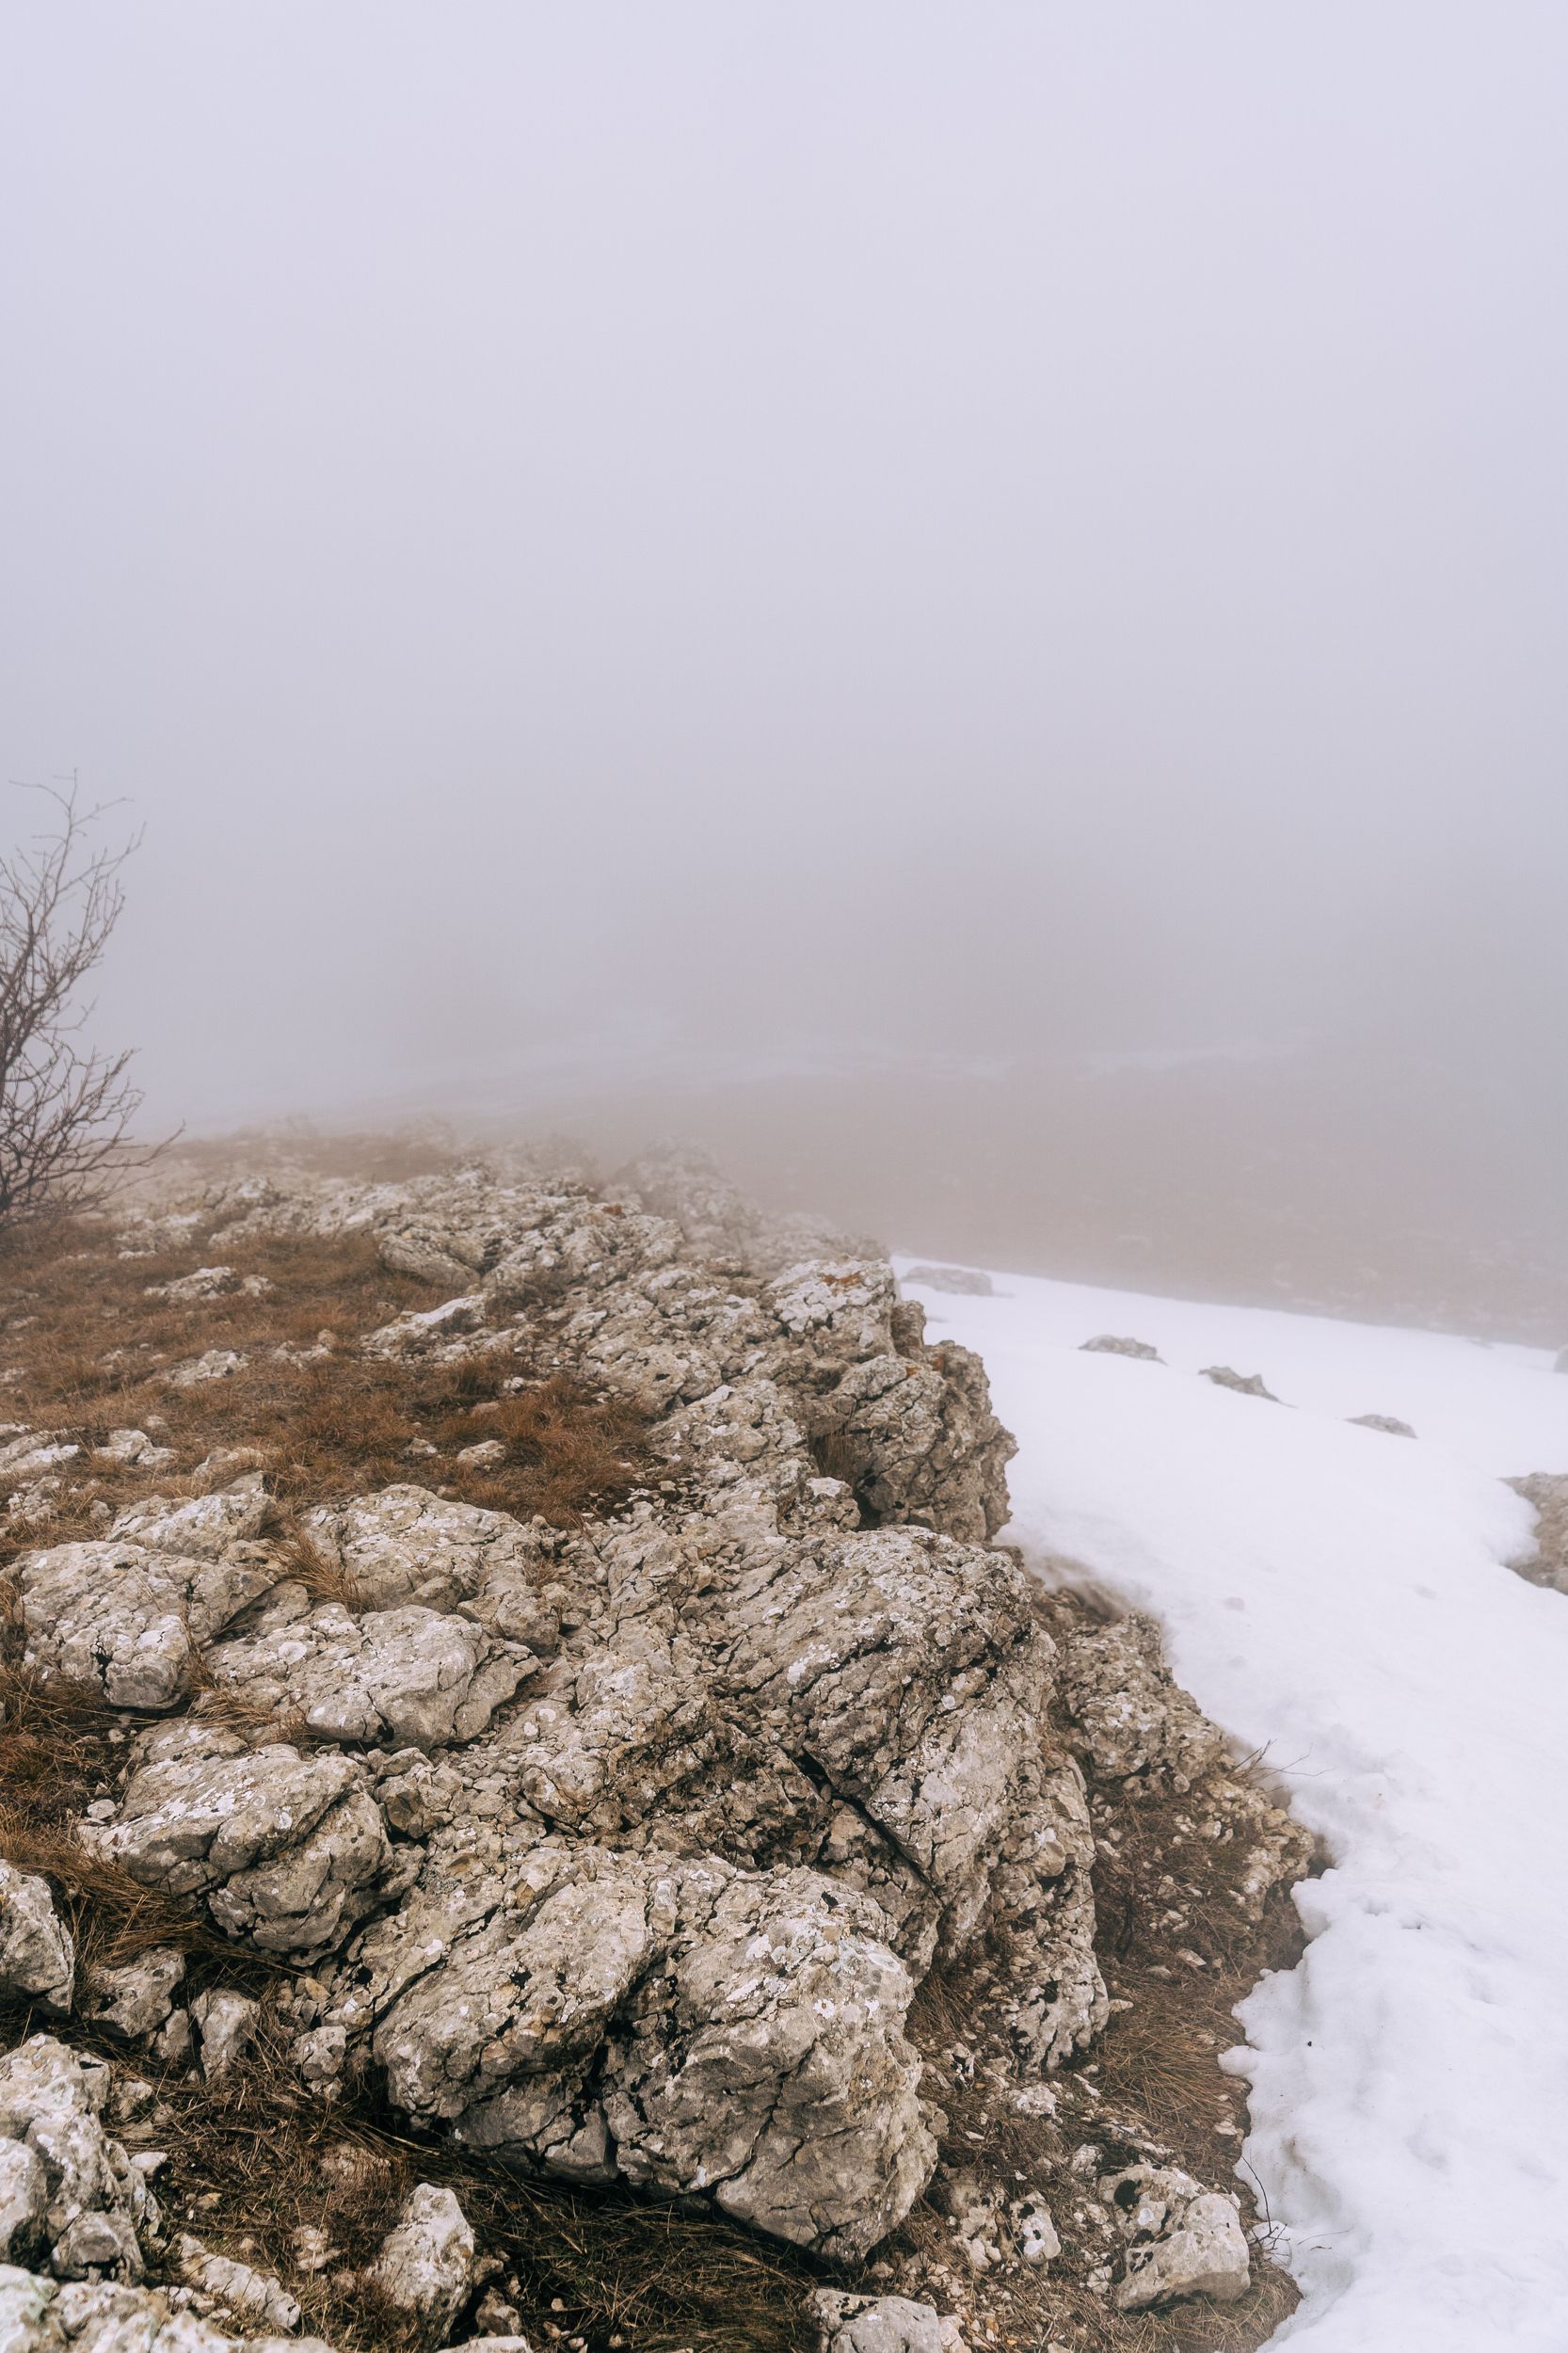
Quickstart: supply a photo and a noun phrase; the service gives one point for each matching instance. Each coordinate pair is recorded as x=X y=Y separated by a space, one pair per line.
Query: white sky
x=994 y=525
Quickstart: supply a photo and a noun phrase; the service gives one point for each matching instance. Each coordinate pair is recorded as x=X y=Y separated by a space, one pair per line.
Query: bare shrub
x=66 y=1108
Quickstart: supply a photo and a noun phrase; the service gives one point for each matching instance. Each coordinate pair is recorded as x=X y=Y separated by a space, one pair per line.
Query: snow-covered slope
x=1336 y=1597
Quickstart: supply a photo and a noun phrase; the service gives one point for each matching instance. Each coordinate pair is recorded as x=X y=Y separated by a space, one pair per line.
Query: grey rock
x=24 y=2203
x=287 y=1850
x=252 y=2296
x=881 y=2323
x=424 y=2266
x=1382 y=1421
x=129 y=1619
x=1245 y=1385
x=1182 y=2239
x=410 y=1676
x=410 y=1254
x=202 y=1528
x=694 y=2027
x=96 y=2202
x=37 y=1953
x=1107 y=1344
x=135 y=1998
x=1128 y=1715
x=226 y=2024
x=43 y=2315
x=219 y=1364
x=1548 y=1492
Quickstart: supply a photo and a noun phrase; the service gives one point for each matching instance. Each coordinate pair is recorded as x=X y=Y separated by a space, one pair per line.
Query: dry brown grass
x=89 y=1350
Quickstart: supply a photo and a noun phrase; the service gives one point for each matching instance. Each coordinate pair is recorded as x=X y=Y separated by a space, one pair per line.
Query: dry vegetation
x=84 y=1349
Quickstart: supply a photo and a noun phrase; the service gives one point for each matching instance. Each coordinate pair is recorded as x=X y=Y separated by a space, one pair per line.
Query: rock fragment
x=1109 y=1344
x=1245 y=1385
x=1182 y=2239
x=96 y=2202
x=881 y=2323
x=37 y=1953
x=135 y=1997
x=424 y=2266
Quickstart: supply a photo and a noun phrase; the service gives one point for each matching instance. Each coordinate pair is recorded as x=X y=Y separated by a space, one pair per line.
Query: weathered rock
x=135 y=1998
x=1182 y=2239
x=130 y=1619
x=226 y=2024
x=287 y=1850
x=430 y=1331
x=40 y=2315
x=405 y=1545
x=1382 y=1421
x=24 y=2204
x=694 y=2027
x=881 y=2323
x=425 y=2264
x=1548 y=1492
x=1245 y=1385
x=252 y=2296
x=408 y=1253
x=202 y=1283
x=1107 y=1344
x=1128 y=1715
x=37 y=1953
x=96 y=2202
x=219 y=1364
x=411 y=1676
x=202 y=1528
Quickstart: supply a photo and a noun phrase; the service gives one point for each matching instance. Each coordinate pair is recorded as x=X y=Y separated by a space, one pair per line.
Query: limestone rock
x=95 y=2201
x=408 y=1676
x=37 y=1953
x=425 y=2264
x=226 y=2024
x=127 y=1618
x=250 y=2294
x=696 y=2029
x=287 y=1850
x=405 y=1545
x=41 y=2315
x=1245 y=1385
x=1128 y=1714
x=24 y=2203
x=1182 y=2239
x=202 y=1528
x=881 y=2323
x=410 y=1253
x=135 y=1998
x=1548 y=1492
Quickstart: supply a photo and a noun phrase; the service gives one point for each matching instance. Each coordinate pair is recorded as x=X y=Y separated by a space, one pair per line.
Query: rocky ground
x=534 y=1807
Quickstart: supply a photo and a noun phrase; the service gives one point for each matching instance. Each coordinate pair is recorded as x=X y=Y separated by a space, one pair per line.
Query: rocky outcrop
x=1548 y=1492
x=621 y=1849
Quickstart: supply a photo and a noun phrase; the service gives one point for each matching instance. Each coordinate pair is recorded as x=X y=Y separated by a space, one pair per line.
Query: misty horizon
x=615 y=545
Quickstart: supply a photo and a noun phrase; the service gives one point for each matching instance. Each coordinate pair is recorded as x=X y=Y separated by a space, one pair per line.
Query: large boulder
x=129 y=1619
x=285 y=1850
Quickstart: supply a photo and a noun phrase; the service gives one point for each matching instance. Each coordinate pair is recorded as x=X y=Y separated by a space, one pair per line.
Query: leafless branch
x=67 y=1111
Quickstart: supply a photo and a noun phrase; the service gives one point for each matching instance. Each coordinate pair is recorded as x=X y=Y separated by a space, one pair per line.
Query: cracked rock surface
x=617 y=1849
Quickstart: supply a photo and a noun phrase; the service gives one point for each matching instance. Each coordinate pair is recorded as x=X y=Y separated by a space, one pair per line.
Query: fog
x=691 y=558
